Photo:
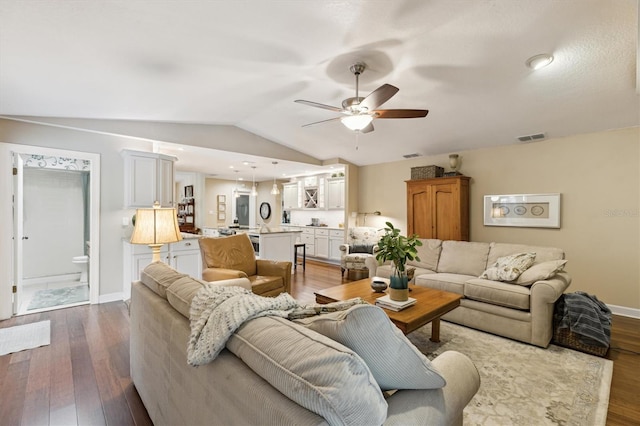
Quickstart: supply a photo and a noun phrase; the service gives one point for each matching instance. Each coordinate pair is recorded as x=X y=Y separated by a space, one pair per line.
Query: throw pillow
x=361 y=248
x=316 y=372
x=509 y=268
x=541 y=271
x=393 y=360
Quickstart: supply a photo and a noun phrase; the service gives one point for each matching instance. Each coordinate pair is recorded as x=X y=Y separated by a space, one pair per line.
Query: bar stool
x=295 y=254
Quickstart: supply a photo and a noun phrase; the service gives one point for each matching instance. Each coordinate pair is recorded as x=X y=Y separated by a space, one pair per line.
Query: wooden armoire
x=439 y=208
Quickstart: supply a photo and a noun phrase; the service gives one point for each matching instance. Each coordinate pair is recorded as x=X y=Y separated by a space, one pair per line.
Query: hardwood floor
x=82 y=377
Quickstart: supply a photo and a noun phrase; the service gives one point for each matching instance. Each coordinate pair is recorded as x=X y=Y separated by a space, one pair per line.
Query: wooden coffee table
x=430 y=304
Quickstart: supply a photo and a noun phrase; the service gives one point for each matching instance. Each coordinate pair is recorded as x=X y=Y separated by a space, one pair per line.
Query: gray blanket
x=217 y=312
x=586 y=316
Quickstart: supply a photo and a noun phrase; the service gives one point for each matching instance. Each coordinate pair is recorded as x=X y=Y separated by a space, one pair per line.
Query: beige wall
x=215 y=187
x=598 y=176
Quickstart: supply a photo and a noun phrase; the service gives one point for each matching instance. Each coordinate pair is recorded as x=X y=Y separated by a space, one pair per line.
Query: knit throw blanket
x=217 y=312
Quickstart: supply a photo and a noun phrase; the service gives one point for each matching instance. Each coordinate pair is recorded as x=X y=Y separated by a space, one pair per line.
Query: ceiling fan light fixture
x=539 y=61
x=357 y=122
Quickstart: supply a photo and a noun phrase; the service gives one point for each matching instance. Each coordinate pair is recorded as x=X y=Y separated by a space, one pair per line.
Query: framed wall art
x=188 y=191
x=523 y=210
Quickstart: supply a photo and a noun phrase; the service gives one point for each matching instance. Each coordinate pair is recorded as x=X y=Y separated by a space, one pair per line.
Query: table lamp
x=155 y=227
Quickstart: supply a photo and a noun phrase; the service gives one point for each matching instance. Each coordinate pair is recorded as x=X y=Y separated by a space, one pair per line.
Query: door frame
x=7 y=194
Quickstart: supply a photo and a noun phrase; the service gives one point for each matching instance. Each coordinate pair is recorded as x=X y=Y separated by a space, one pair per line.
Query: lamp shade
x=155 y=227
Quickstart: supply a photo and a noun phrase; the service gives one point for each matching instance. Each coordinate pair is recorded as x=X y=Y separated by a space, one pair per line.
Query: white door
x=20 y=236
x=18 y=232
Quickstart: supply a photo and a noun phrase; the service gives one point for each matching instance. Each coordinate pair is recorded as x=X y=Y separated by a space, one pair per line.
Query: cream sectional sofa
x=274 y=371
x=520 y=310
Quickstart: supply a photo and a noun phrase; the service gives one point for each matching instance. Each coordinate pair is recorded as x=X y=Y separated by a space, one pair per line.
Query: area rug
x=27 y=336
x=59 y=296
x=523 y=384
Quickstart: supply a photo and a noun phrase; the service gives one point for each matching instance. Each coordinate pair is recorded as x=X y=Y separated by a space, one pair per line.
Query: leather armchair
x=233 y=257
x=359 y=251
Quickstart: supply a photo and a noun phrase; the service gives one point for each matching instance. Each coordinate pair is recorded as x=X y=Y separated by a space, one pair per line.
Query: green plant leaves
x=397 y=248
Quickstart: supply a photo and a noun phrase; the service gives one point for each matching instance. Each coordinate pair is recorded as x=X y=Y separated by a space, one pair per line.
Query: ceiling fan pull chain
x=357 y=138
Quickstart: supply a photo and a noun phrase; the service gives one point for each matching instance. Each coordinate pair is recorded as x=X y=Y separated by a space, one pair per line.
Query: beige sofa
x=520 y=310
x=274 y=371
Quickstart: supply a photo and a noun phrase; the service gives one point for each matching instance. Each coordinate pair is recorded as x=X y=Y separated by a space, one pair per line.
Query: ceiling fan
x=358 y=113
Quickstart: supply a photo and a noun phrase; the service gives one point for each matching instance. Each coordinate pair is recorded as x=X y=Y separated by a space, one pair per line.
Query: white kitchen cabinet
x=309 y=240
x=311 y=182
x=183 y=256
x=335 y=193
x=336 y=238
x=322 y=243
x=149 y=177
x=290 y=196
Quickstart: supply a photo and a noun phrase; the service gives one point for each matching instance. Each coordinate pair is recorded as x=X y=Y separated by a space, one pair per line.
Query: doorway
x=242 y=210
x=56 y=219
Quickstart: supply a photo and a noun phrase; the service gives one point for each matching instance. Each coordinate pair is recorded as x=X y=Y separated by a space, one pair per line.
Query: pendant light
x=235 y=190
x=254 y=190
x=274 y=190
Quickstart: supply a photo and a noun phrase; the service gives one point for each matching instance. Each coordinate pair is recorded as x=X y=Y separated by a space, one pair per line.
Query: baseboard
x=624 y=311
x=111 y=297
x=73 y=276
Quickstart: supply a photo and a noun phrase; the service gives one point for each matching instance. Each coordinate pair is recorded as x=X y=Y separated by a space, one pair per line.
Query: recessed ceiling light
x=539 y=61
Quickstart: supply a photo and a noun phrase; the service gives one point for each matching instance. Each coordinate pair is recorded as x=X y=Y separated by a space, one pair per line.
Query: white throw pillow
x=393 y=360
x=509 y=268
x=541 y=271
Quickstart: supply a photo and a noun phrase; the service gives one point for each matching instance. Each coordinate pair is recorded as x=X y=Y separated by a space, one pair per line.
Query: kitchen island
x=273 y=243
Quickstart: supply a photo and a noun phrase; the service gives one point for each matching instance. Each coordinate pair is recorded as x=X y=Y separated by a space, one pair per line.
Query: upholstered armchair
x=358 y=254
x=233 y=257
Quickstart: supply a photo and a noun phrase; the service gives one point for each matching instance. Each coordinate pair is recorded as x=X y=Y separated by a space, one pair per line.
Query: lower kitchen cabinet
x=322 y=243
x=309 y=239
x=336 y=239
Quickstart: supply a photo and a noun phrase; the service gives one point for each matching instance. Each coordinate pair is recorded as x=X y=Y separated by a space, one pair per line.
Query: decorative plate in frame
x=523 y=210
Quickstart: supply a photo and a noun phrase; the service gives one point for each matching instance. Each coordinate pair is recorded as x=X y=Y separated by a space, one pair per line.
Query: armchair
x=233 y=257
x=358 y=254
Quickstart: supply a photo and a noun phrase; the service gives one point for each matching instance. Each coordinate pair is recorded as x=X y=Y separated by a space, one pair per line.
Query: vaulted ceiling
x=243 y=63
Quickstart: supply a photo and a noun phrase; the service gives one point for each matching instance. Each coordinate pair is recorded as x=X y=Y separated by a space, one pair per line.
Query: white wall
x=111 y=189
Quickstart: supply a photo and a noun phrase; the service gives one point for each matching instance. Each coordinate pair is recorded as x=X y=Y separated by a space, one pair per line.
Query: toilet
x=82 y=262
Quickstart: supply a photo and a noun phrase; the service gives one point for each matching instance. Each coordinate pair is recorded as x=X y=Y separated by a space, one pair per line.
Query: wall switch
x=125 y=221
x=210 y=211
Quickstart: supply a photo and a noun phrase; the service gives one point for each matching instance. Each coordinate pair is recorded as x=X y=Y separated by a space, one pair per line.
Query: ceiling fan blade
x=400 y=113
x=379 y=96
x=317 y=105
x=367 y=129
x=323 y=121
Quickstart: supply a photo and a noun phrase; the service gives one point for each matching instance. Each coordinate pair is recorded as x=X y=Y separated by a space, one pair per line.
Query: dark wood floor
x=82 y=377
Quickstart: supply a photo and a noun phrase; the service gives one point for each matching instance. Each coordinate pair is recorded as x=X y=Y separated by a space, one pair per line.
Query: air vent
x=531 y=138
x=412 y=155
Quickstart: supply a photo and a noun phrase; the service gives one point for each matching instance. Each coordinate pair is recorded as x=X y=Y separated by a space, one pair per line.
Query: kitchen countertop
x=266 y=230
x=311 y=226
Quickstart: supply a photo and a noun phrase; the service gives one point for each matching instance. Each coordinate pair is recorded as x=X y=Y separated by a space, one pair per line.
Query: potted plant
x=398 y=249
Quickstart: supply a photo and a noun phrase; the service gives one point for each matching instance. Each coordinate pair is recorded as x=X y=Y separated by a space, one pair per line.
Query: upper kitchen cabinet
x=149 y=177
x=335 y=193
x=290 y=196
